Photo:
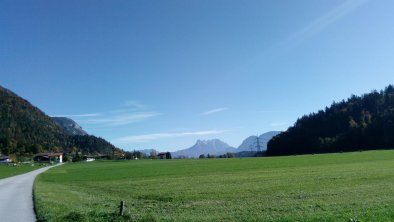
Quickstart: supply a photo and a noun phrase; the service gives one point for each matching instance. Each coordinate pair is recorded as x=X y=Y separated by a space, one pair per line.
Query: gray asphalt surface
x=16 y=197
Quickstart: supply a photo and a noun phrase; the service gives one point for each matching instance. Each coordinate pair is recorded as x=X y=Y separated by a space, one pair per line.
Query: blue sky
x=162 y=74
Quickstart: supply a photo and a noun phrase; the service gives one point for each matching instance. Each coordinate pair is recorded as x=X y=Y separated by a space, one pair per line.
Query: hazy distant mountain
x=69 y=126
x=251 y=141
x=212 y=147
x=247 y=144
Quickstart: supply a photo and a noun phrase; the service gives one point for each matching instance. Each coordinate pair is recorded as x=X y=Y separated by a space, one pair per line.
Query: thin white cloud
x=130 y=112
x=303 y=34
x=158 y=136
x=122 y=119
x=343 y=9
x=132 y=104
x=80 y=115
x=209 y=112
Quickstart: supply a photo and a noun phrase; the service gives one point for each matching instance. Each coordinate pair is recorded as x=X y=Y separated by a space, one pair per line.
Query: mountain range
x=25 y=129
x=211 y=147
x=218 y=147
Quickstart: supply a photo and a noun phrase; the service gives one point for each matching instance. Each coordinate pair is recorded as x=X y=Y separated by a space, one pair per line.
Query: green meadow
x=11 y=170
x=355 y=186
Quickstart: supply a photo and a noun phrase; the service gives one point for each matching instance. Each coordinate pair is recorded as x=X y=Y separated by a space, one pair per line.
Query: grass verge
x=9 y=170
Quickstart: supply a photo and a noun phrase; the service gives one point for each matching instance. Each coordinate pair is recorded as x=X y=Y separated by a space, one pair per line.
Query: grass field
x=329 y=187
x=10 y=170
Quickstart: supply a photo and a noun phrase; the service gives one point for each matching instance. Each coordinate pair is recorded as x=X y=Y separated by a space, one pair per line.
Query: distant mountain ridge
x=212 y=147
x=249 y=144
x=69 y=126
x=217 y=147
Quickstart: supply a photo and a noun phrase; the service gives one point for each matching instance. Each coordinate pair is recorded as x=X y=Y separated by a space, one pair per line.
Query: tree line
x=360 y=123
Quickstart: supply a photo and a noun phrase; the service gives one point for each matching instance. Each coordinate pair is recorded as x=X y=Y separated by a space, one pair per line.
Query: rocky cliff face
x=69 y=126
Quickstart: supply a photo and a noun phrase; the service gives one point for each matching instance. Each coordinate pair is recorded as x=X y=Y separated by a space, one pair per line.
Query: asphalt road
x=16 y=197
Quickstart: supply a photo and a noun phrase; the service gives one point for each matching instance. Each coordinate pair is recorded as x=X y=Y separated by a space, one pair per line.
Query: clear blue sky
x=163 y=73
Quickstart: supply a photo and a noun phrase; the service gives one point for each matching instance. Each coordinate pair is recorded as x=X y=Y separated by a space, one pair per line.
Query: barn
x=164 y=155
x=49 y=157
x=5 y=159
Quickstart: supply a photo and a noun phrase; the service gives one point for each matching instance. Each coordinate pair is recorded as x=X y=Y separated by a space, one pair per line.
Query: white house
x=88 y=158
x=49 y=157
x=5 y=159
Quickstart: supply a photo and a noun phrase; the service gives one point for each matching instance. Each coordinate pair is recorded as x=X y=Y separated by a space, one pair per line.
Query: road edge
x=34 y=194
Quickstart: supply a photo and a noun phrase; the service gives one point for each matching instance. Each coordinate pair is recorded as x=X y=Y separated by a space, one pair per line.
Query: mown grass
x=11 y=170
x=329 y=187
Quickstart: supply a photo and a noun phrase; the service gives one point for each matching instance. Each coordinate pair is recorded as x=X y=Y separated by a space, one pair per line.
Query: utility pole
x=257 y=144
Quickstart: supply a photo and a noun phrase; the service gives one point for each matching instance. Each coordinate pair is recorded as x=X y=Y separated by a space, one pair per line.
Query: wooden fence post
x=122 y=206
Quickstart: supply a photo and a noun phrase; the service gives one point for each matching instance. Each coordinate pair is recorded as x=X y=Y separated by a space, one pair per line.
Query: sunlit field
x=8 y=170
x=329 y=187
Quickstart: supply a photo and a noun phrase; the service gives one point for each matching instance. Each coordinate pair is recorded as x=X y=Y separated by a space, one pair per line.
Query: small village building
x=5 y=159
x=88 y=158
x=49 y=157
x=164 y=155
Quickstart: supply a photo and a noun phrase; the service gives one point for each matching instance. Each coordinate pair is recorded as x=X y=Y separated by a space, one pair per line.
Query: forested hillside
x=361 y=123
x=26 y=130
x=92 y=144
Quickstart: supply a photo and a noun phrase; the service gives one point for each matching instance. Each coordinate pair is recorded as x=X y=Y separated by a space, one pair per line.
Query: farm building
x=88 y=158
x=5 y=159
x=164 y=155
x=49 y=157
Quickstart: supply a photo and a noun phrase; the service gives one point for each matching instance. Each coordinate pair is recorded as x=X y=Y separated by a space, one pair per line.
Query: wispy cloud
x=122 y=119
x=81 y=115
x=343 y=9
x=209 y=112
x=304 y=33
x=132 y=104
x=129 y=112
x=157 y=136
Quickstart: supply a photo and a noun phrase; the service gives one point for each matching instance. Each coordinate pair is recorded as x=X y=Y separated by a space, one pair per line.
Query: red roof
x=55 y=154
x=49 y=154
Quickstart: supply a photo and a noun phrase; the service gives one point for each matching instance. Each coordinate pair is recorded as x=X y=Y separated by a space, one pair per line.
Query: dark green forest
x=26 y=130
x=93 y=145
x=360 y=123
